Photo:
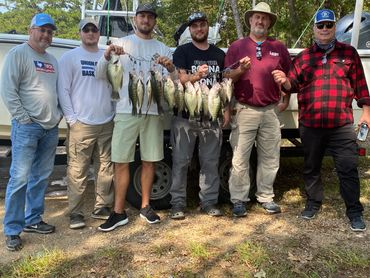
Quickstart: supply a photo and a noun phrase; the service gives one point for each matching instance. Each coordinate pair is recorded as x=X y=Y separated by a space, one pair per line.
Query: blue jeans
x=33 y=153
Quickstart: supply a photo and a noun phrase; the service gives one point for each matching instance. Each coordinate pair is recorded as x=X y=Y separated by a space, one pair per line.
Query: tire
x=224 y=172
x=160 y=196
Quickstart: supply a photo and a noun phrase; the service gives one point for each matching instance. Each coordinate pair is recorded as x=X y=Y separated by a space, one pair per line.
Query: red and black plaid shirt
x=326 y=90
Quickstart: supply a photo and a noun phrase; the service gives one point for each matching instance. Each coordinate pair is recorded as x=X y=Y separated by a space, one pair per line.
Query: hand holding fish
x=202 y=71
x=245 y=63
x=166 y=62
x=118 y=50
x=281 y=79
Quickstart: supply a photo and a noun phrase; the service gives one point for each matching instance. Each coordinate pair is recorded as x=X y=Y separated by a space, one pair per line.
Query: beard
x=200 y=39
x=145 y=30
x=259 y=31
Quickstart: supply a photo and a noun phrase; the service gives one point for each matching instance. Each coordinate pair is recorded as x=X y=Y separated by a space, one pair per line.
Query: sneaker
x=101 y=213
x=212 y=210
x=115 y=220
x=149 y=215
x=40 y=228
x=271 y=207
x=13 y=243
x=76 y=221
x=310 y=211
x=239 y=209
x=358 y=224
x=177 y=213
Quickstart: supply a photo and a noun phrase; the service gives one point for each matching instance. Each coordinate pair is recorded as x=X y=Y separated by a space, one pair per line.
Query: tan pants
x=86 y=144
x=250 y=125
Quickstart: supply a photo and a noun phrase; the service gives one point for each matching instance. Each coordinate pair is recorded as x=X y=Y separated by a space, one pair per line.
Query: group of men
x=327 y=77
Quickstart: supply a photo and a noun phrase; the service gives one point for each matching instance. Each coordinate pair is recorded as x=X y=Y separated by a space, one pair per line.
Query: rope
x=308 y=24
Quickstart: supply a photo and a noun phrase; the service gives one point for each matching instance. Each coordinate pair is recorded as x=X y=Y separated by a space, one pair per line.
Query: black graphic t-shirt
x=189 y=58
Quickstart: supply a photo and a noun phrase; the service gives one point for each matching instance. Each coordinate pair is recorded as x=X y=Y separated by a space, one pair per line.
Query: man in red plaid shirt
x=327 y=77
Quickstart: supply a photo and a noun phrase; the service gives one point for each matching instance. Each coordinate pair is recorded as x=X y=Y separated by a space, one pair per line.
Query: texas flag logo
x=44 y=67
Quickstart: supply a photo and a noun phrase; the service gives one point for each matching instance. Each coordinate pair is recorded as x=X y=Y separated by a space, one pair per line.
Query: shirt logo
x=88 y=68
x=275 y=54
x=44 y=67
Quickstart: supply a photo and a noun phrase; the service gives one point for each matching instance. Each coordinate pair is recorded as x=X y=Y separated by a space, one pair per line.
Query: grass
x=252 y=254
x=199 y=251
x=39 y=265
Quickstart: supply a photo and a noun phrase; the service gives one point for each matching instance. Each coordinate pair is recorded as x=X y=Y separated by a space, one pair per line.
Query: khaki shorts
x=126 y=130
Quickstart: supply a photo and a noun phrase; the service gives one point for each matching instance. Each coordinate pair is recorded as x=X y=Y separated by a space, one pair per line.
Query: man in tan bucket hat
x=257 y=104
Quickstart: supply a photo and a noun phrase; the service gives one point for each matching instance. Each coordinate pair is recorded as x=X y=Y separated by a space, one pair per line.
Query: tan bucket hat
x=261 y=7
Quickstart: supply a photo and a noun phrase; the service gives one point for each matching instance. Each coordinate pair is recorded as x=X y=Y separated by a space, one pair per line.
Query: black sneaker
x=239 y=209
x=76 y=221
x=101 y=213
x=358 y=224
x=212 y=210
x=310 y=211
x=149 y=215
x=13 y=243
x=40 y=228
x=115 y=220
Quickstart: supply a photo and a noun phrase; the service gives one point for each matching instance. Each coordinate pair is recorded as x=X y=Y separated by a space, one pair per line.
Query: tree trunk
x=238 y=24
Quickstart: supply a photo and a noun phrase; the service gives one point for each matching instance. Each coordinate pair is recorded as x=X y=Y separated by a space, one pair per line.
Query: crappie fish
x=169 y=91
x=191 y=100
x=132 y=91
x=156 y=90
x=115 y=75
x=198 y=93
x=214 y=101
x=140 y=91
x=228 y=88
x=158 y=80
x=149 y=92
x=223 y=96
x=179 y=96
x=205 y=93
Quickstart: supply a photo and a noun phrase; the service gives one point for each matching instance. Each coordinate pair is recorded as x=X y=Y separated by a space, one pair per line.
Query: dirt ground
x=163 y=250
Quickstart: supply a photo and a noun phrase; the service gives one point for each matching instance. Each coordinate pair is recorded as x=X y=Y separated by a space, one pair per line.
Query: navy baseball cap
x=41 y=20
x=324 y=15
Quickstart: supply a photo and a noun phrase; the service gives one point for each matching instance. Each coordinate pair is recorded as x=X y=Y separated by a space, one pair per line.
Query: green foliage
x=252 y=254
x=39 y=265
x=294 y=16
x=199 y=250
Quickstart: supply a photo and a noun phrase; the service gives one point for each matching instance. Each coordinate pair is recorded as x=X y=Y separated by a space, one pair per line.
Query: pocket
x=341 y=67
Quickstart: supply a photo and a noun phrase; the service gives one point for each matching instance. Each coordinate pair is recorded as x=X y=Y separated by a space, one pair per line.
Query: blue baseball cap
x=42 y=20
x=324 y=15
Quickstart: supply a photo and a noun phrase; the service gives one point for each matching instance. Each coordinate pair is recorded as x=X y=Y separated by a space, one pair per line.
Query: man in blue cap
x=28 y=89
x=327 y=77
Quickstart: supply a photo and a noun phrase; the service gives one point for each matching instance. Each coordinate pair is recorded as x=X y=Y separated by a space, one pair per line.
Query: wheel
x=160 y=196
x=224 y=172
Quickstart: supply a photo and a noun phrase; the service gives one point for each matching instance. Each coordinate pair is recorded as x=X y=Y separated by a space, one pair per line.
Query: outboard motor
x=118 y=26
x=344 y=30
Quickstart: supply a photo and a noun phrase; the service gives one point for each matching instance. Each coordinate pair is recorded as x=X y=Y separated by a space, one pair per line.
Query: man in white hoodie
x=89 y=111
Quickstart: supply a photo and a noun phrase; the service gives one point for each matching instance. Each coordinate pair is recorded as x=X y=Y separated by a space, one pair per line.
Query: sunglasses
x=328 y=25
x=258 y=52
x=44 y=30
x=90 y=29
